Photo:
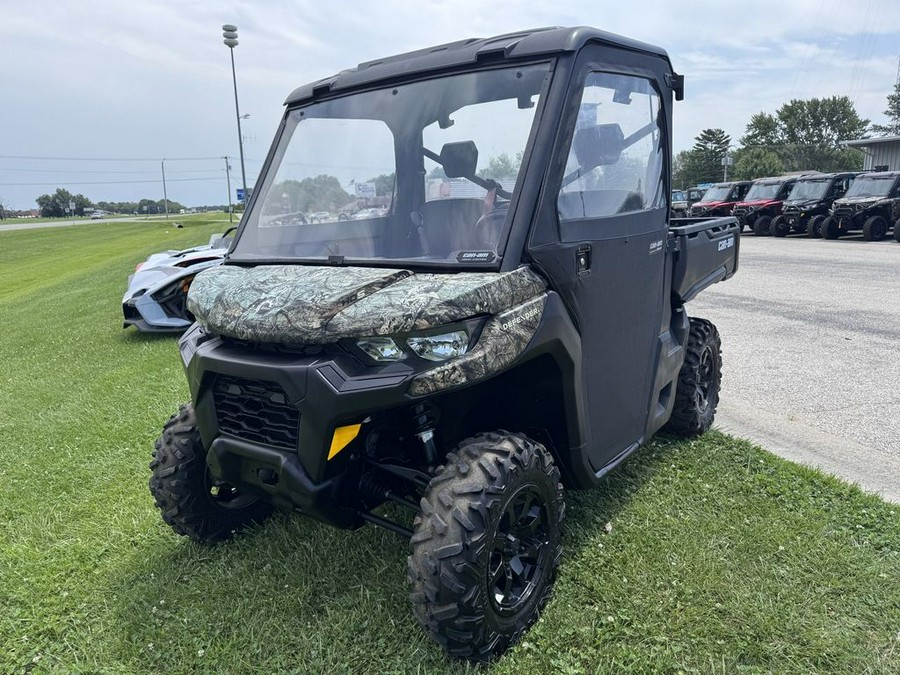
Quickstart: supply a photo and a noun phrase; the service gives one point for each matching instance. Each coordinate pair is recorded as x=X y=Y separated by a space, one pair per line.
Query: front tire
x=897 y=230
x=814 y=227
x=697 y=391
x=487 y=544
x=761 y=226
x=830 y=229
x=779 y=227
x=874 y=229
x=192 y=502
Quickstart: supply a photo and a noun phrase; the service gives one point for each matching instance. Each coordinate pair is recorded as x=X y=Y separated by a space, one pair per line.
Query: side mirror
x=598 y=145
x=460 y=160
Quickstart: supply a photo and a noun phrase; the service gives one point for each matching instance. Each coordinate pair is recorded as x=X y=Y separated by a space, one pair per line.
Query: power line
x=111 y=182
x=113 y=171
x=111 y=159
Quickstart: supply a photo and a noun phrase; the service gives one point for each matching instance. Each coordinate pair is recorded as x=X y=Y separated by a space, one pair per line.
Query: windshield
x=870 y=186
x=717 y=193
x=760 y=191
x=809 y=189
x=422 y=172
x=678 y=196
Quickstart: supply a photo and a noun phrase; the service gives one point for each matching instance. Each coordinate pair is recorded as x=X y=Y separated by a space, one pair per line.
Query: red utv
x=761 y=208
x=720 y=199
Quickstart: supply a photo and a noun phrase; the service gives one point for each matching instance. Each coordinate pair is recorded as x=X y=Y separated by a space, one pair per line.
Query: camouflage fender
x=504 y=337
x=296 y=304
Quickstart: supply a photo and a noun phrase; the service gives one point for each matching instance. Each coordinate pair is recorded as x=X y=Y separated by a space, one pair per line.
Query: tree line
x=56 y=205
x=801 y=135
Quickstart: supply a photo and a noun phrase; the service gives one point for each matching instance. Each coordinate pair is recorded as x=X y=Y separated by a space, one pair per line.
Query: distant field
x=721 y=558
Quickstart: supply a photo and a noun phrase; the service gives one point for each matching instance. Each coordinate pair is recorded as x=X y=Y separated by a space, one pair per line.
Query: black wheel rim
x=226 y=496
x=519 y=551
x=705 y=371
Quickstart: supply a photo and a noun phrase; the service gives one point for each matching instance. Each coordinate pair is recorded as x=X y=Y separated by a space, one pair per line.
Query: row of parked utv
x=816 y=205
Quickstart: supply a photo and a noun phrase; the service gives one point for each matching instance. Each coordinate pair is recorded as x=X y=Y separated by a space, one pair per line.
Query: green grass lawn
x=718 y=557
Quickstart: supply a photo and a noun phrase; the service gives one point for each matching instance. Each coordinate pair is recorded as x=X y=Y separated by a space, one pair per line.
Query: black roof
x=522 y=44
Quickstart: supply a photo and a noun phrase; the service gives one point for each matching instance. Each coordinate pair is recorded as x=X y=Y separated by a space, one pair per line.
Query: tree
x=756 y=162
x=503 y=167
x=57 y=204
x=384 y=184
x=322 y=193
x=703 y=162
x=808 y=134
x=892 y=128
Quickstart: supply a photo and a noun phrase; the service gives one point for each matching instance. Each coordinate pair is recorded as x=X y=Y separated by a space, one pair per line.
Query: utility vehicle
x=809 y=202
x=680 y=204
x=761 y=206
x=720 y=199
x=459 y=357
x=871 y=204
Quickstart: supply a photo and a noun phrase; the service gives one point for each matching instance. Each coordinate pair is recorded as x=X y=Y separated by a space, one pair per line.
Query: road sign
x=240 y=194
x=365 y=190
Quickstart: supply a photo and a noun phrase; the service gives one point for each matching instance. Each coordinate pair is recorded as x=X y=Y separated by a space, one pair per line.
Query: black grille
x=256 y=411
x=844 y=212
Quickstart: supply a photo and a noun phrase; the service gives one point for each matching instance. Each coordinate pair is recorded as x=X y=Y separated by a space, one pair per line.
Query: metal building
x=881 y=154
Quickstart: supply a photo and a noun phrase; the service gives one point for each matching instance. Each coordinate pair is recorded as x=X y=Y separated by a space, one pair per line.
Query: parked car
x=871 y=204
x=720 y=199
x=155 y=299
x=680 y=203
x=810 y=200
x=761 y=207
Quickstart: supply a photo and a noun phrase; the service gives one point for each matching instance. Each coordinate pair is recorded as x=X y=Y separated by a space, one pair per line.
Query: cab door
x=608 y=259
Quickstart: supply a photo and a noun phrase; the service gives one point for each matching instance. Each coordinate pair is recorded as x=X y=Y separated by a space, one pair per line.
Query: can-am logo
x=506 y=325
x=726 y=243
x=475 y=256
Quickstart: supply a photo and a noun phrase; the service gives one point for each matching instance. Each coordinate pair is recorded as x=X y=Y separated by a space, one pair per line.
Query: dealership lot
x=811 y=360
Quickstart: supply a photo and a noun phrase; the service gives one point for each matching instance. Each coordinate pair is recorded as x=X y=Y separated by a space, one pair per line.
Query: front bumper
x=148 y=316
x=268 y=416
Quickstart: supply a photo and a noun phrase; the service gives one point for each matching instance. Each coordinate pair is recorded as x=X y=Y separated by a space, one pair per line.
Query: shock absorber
x=423 y=420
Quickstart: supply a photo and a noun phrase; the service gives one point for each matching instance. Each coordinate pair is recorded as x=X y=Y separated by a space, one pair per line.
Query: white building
x=881 y=154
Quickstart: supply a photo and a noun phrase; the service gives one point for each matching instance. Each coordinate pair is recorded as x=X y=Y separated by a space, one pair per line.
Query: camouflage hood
x=301 y=304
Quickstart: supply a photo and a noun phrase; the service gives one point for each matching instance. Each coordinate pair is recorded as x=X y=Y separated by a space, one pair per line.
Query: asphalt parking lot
x=810 y=332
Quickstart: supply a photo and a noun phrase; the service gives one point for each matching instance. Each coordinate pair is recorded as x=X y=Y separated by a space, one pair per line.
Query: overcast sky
x=91 y=81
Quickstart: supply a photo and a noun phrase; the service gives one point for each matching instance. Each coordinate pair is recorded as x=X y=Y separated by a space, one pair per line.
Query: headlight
x=381 y=349
x=440 y=347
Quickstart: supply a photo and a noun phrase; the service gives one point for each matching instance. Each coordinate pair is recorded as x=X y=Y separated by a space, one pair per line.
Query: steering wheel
x=487 y=228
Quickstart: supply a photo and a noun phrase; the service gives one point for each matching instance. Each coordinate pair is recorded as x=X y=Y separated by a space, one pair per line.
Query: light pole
x=165 y=194
x=228 y=183
x=229 y=33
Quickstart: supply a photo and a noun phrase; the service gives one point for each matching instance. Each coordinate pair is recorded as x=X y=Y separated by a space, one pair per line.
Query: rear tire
x=874 y=229
x=697 y=390
x=486 y=544
x=779 y=227
x=830 y=229
x=192 y=502
x=814 y=227
x=761 y=226
x=897 y=230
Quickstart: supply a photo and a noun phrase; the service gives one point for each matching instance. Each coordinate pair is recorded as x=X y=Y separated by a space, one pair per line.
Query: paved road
x=25 y=224
x=810 y=334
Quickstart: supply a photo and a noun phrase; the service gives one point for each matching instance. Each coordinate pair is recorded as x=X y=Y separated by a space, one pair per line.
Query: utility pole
x=165 y=194
x=228 y=183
